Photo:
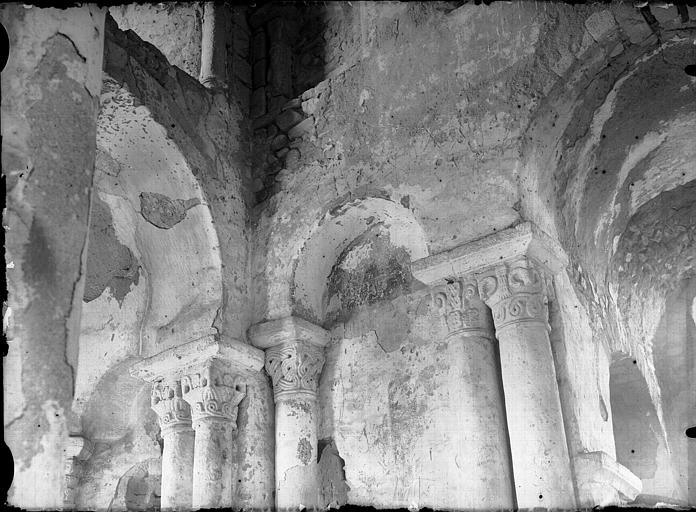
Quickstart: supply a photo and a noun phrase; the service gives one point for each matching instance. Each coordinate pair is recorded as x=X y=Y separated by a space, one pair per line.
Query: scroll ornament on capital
x=516 y=292
x=167 y=401
x=294 y=368
x=213 y=394
x=462 y=309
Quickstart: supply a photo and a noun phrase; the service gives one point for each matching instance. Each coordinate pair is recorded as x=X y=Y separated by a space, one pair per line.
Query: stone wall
x=432 y=114
x=346 y=142
x=209 y=130
x=50 y=100
x=173 y=194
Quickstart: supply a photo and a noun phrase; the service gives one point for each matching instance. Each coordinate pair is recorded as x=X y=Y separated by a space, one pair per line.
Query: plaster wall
x=420 y=135
x=401 y=404
x=49 y=106
x=419 y=127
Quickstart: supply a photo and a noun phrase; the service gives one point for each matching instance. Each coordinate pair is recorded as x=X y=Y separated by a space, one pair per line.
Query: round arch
x=297 y=263
x=608 y=169
x=334 y=234
x=153 y=263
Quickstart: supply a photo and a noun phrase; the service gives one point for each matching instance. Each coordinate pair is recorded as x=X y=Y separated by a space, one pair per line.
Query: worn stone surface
x=346 y=142
x=50 y=101
x=155 y=24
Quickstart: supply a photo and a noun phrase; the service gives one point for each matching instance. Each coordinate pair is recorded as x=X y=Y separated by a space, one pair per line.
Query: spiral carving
x=516 y=292
x=172 y=410
x=294 y=368
x=213 y=393
x=520 y=308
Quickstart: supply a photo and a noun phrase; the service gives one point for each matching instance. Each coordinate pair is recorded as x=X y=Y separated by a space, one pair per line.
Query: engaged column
x=177 y=434
x=294 y=360
x=516 y=292
x=214 y=393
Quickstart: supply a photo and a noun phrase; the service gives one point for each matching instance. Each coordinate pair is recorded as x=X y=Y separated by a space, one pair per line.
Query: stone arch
x=172 y=226
x=153 y=282
x=125 y=434
x=334 y=233
x=608 y=169
x=149 y=213
x=138 y=489
x=285 y=284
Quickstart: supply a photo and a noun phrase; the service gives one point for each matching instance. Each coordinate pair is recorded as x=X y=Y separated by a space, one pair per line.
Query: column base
x=602 y=481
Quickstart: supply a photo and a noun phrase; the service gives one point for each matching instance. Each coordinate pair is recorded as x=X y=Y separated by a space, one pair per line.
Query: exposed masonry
x=396 y=255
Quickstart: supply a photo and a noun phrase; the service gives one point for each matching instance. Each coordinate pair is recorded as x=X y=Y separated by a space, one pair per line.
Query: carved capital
x=515 y=292
x=295 y=368
x=213 y=394
x=171 y=408
x=463 y=310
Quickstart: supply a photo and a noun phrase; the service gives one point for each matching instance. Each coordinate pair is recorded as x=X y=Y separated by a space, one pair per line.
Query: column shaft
x=294 y=360
x=541 y=464
x=537 y=435
x=214 y=395
x=213 y=49
x=177 y=434
x=479 y=436
x=177 y=470
x=296 y=453
x=212 y=465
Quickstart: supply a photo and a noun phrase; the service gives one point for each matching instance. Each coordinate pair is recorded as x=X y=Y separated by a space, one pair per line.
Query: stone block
x=290 y=329
x=600 y=478
x=259 y=73
x=241 y=69
x=279 y=141
x=287 y=119
x=295 y=103
x=179 y=359
x=524 y=239
x=263 y=121
x=257 y=185
x=240 y=41
x=600 y=24
x=310 y=106
x=258 y=45
x=258 y=102
x=271 y=131
x=260 y=135
x=302 y=128
x=292 y=159
x=276 y=103
x=631 y=22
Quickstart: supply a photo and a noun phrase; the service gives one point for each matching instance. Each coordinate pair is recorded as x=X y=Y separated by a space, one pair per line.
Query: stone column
x=516 y=292
x=294 y=360
x=485 y=480
x=213 y=49
x=213 y=376
x=177 y=456
x=214 y=393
